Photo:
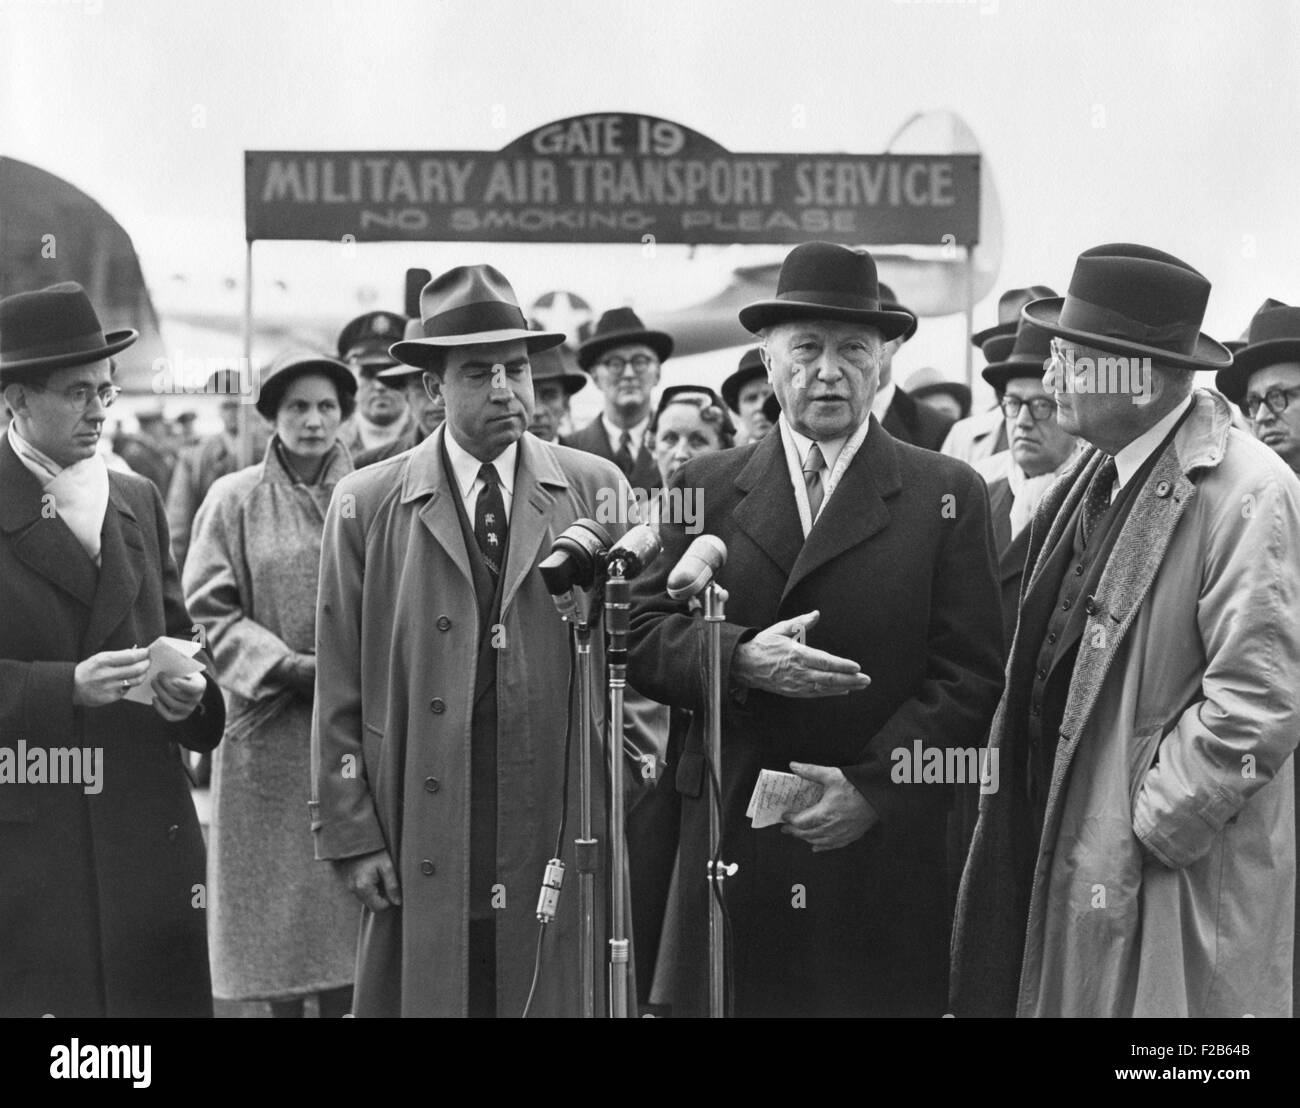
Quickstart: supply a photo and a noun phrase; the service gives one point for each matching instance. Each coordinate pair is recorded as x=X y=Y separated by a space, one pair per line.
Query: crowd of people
x=1038 y=663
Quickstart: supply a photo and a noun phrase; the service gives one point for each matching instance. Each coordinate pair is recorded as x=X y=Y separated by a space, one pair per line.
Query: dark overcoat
x=593 y=440
x=900 y=566
x=908 y=420
x=102 y=899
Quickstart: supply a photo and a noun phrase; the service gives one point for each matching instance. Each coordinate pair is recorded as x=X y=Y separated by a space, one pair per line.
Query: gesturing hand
x=841 y=816
x=372 y=879
x=776 y=660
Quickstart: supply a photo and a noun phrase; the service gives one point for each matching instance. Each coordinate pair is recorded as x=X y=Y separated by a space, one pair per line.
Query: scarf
x=78 y=493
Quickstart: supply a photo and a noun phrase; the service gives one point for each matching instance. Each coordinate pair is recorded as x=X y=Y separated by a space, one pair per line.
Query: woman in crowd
x=282 y=926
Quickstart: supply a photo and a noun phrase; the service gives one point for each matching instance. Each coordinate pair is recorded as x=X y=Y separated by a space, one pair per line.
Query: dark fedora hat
x=52 y=328
x=552 y=365
x=751 y=368
x=471 y=305
x=618 y=327
x=889 y=302
x=1130 y=299
x=1236 y=344
x=820 y=280
x=1009 y=305
x=930 y=382
x=1027 y=358
x=1274 y=336
x=996 y=348
x=291 y=365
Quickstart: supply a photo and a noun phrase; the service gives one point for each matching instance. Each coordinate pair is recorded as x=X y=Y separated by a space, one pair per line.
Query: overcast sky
x=1171 y=123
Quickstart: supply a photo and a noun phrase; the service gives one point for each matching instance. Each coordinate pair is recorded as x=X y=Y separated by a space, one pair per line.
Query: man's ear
x=16 y=397
x=432 y=383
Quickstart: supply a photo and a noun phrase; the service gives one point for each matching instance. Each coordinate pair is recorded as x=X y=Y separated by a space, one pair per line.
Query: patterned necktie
x=1096 y=500
x=812 y=477
x=490 y=518
x=623 y=455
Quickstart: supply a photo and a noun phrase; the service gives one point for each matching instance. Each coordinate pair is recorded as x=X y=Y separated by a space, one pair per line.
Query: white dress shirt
x=636 y=435
x=1133 y=457
x=465 y=467
x=838 y=453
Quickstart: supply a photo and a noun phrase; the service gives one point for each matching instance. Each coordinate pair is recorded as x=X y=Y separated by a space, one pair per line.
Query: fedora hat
x=1273 y=336
x=930 y=382
x=821 y=280
x=291 y=365
x=1236 y=344
x=1009 y=305
x=471 y=305
x=552 y=364
x=52 y=328
x=619 y=327
x=998 y=347
x=889 y=302
x=751 y=368
x=1130 y=299
x=397 y=374
x=1027 y=358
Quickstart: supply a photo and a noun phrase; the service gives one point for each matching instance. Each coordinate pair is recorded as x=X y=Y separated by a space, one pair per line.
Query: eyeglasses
x=1040 y=407
x=1276 y=399
x=79 y=395
x=639 y=362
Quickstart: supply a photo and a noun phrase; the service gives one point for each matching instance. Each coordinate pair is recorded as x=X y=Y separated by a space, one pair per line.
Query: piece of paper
x=166 y=655
x=777 y=795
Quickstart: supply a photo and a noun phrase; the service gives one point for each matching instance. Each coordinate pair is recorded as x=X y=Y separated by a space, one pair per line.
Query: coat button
x=1090 y=606
x=437 y=706
x=1065 y=604
x=1042 y=673
x=1051 y=637
x=1078 y=571
x=1033 y=710
x=427 y=868
x=172 y=830
x=1163 y=489
x=432 y=784
x=443 y=623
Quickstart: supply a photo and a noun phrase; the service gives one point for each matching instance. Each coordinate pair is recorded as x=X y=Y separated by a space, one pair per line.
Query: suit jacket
x=900 y=566
x=592 y=439
x=909 y=420
x=101 y=893
x=1011 y=553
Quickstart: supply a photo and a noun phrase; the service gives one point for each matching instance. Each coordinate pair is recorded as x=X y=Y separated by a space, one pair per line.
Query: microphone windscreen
x=698 y=566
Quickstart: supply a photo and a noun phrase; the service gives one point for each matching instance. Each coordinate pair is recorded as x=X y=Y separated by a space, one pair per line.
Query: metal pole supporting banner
x=244 y=448
x=970 y=317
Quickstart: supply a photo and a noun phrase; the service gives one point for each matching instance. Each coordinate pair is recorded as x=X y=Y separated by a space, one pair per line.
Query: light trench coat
x=397 y=647
x=1164 y=881
x=282 y=924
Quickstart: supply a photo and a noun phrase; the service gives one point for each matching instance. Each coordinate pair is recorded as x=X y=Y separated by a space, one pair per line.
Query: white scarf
x=78 y=493
x=1026 y=492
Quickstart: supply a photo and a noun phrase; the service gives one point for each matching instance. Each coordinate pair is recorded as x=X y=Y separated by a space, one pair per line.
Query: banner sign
x=612 y=178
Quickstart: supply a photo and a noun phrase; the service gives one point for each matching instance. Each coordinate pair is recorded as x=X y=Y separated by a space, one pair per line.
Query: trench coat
x=397 y=646
x=1163 y=884
x=102 y=898
x=905 y=588
x=282 y=924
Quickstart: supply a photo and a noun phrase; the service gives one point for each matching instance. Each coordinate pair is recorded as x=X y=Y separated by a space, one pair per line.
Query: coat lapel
x=41 y=540
x=121 y=570
x=530 y=514
x=856 y=509
x=427 y=477
x=768 y=513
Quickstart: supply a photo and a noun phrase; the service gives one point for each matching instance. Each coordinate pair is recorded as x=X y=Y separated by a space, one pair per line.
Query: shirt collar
x=1131 y=458
x=615 y=433
x=830 y=447
x=465 y=466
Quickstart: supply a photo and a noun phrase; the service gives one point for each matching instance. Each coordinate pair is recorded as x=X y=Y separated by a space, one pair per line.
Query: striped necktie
x=812 y=478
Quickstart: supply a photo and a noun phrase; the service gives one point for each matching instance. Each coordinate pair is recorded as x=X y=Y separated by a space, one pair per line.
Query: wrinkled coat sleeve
x=344 y=819
x=217 y=585
x=1234 y=738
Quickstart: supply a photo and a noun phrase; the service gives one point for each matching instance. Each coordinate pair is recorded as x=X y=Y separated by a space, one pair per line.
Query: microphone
x=697 y=567
x=633 y=552
x=576 y=557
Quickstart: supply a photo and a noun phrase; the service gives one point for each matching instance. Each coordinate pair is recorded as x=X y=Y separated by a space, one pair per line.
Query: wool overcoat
x=102 y=898
x=1163 y=884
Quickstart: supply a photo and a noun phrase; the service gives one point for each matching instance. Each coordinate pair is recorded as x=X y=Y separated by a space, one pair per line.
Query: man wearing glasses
x=1139 y=856
x=623 y=358
x=101 y=857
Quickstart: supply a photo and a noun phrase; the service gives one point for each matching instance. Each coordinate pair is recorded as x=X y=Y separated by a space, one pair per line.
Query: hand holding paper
x=173 y=658
x=777 y=795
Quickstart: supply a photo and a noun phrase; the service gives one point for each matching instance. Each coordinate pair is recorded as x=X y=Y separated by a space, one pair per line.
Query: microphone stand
x=715 y=600
x=617 y=605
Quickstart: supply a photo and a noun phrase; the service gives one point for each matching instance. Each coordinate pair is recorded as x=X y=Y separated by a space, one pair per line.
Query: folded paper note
x=777 y=795
x=174 y=657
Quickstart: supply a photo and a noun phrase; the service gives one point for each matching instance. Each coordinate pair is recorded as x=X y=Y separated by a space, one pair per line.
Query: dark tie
x=1096 y=500
x=490 y=518
x=623 y=455
x=812 y=477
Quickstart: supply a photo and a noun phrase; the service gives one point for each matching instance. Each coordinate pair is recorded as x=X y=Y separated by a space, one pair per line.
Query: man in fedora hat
x=745 y=390
x=101 y=857
x=1139 y=858
x=553 y=386
x=425 y=405
x=440 y=730
x=1264 y=380
x=985 y=434
x=624 y=359
x=899 y=413
x=862 y=619
x=928 y=386
x=381 y=417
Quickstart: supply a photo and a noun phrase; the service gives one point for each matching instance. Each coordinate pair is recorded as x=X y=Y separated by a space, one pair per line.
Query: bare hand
x=372 y=879
x=174 y=698
x=776 y=660
x=841 y=816
x=104 y=678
